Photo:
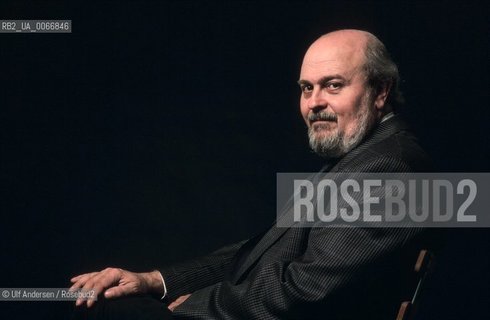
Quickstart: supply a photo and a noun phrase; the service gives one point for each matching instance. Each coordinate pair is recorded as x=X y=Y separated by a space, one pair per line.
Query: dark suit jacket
x=317 y=273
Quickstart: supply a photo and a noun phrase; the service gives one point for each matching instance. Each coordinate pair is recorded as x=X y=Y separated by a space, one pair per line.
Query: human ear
x=381 y=95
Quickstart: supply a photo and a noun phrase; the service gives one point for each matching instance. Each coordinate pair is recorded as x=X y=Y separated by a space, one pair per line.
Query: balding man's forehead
x=339 y=46
x=347 y=57
x=333 y=52
x=313 y=71
x=331 y=64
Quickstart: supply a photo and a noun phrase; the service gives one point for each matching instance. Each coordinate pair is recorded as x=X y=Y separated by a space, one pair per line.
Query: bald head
x=343 y=46
x=364 y=52
x=344 y=91
x=349 y=40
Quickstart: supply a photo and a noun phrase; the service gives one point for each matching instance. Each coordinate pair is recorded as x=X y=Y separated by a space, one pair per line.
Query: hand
x=178 y=302
x=117 y=282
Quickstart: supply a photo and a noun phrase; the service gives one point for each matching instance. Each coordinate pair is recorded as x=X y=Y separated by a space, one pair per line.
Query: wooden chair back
x=423 y=267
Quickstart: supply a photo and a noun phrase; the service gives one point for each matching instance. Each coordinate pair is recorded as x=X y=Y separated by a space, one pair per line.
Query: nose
x=317 y=100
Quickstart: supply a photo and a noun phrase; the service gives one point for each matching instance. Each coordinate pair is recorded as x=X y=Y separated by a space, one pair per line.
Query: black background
x=154 y=131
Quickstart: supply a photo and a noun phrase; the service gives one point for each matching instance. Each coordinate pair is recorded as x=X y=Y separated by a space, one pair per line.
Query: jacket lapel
x=384 y=130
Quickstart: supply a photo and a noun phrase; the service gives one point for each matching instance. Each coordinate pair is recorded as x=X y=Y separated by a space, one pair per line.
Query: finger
x=76 y=278
x=103 y=279
x=106 y=279
x=178 y=302
x=99 y=282
x=88 y=287
x=77 y=286
x=91 y=301
x=82 y=285
x=84 y=277
x=81 y=280
x=172 y=306
x=87 y=284
x=116 y=292
x=79 y=302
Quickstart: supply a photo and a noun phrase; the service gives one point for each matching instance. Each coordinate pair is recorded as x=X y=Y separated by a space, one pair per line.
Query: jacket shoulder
x=391 y=148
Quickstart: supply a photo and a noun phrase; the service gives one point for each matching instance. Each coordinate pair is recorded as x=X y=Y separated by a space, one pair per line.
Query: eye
x=306 y=88
x=334 y=86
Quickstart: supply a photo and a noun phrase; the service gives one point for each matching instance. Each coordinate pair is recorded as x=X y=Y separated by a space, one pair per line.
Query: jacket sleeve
x=281 y=289
x=198 y=273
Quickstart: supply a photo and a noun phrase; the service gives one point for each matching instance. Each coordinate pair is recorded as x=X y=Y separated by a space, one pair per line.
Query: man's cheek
x=348 y=127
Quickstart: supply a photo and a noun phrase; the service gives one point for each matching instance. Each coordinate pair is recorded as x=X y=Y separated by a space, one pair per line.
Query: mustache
x=322 y=116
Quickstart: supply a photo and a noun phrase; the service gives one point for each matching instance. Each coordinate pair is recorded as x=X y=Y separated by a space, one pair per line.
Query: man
x=349 y=94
